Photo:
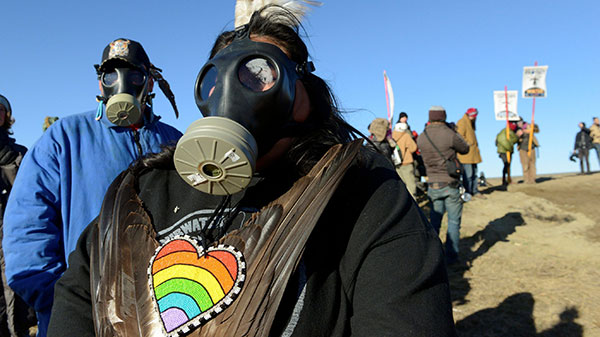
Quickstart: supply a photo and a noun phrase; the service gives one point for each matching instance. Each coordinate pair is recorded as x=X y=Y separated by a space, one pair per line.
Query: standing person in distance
x=14 y=313
x=63 y=178
x=506 y=145
x=583 y=144
x=527 y=159
x=438 y=144
x=595 y=134
x=466 y=128
x=379 y=130
x=406 y=146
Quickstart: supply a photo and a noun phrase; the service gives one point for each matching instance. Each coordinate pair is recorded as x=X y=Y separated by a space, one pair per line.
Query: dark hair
x=327 y=127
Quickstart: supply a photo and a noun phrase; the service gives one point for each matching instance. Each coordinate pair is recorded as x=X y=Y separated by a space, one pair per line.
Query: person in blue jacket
x=63 y=178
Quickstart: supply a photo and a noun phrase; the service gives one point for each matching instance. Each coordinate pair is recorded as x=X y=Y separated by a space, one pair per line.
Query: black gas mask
x=124 y=75
x=126 y=90
x=246 y=94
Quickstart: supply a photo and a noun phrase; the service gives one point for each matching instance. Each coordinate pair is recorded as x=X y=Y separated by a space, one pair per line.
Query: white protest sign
x=500 y=105
x=534 y=82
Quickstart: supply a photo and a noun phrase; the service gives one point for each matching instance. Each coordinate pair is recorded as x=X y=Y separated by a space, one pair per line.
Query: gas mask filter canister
x=216 y=155
x=123 y=109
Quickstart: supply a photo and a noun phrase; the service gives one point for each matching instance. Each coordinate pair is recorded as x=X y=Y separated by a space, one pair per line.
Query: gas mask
x=124 y=74
x=246 y=94
x=126 y=91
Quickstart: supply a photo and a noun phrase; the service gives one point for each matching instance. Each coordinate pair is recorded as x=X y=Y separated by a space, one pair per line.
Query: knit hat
x=379 y=128
x=437 y=114
x=4 y=101
x=472 y=112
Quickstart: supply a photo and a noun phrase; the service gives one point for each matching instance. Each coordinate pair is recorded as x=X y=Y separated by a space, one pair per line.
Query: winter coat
x=583 y=140
x=406 y=146
x=506 y=145
x=448 y=142
x=523 y=143
x=338 y=288
x=595 y=133
x=59 y=190
x=465 y=128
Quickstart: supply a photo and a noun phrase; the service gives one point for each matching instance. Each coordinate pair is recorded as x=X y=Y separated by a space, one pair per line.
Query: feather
x=274 y=240
x=122 y=300
x=245 y=8
x=272 y=243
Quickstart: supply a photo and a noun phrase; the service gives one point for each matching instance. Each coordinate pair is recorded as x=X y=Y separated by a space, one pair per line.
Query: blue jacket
x=59 y=190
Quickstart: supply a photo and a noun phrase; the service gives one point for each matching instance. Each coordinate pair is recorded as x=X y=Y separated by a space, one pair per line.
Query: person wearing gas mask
x=267 y=218
x=63 y=178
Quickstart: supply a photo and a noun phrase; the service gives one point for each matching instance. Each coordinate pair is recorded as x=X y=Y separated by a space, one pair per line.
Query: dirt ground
x=530 y=260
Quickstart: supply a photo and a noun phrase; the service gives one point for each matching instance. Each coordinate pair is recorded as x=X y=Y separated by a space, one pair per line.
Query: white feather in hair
x=245 y=8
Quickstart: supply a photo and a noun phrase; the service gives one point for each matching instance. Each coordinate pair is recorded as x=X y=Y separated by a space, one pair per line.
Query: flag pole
x=532 y=124
x=507 y=126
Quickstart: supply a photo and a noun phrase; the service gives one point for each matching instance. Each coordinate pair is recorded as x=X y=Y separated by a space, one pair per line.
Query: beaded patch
x=191 y=285
x=119 y=48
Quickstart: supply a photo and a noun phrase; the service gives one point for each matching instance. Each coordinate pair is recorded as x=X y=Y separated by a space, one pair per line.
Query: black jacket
x=373 y=266
x=583 y=140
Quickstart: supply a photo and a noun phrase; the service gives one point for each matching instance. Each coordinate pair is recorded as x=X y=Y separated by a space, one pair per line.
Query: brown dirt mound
x=530 y=260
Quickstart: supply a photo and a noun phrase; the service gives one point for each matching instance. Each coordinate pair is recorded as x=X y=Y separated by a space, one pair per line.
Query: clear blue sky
x=449 y=53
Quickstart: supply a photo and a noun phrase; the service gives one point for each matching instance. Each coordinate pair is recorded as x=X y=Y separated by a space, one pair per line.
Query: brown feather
x=285 y=226
x=272 y=242
x=122 y=300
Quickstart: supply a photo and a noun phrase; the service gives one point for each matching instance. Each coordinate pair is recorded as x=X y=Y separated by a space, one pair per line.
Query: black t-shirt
x=373 y=266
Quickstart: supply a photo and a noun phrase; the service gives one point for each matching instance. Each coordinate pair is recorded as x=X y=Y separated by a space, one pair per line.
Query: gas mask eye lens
x=258 y=74
x=110 y=78
x=208 y=83
x=136 y=77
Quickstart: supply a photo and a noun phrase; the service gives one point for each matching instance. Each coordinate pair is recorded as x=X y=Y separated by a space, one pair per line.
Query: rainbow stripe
x=186 y=284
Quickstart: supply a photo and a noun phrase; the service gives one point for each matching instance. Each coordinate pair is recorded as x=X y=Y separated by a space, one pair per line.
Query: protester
x=63 y=178
x=439 y=143
x=14 y=313
x=527 y=158
x=418 y=166
x=370 y=255
x=505 y=143
x=466 y=128
x=405 y=146
x=583 y=144
x=379 y=134
x=595 y=134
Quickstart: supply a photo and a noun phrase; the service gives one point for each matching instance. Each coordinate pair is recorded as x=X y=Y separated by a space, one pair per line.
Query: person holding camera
x=439 y=145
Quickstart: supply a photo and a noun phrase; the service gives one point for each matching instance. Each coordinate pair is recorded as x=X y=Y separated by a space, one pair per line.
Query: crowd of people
x=264 y=218
x=443 y=161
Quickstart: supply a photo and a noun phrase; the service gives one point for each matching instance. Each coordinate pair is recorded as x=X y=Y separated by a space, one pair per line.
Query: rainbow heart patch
x=192 y=285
